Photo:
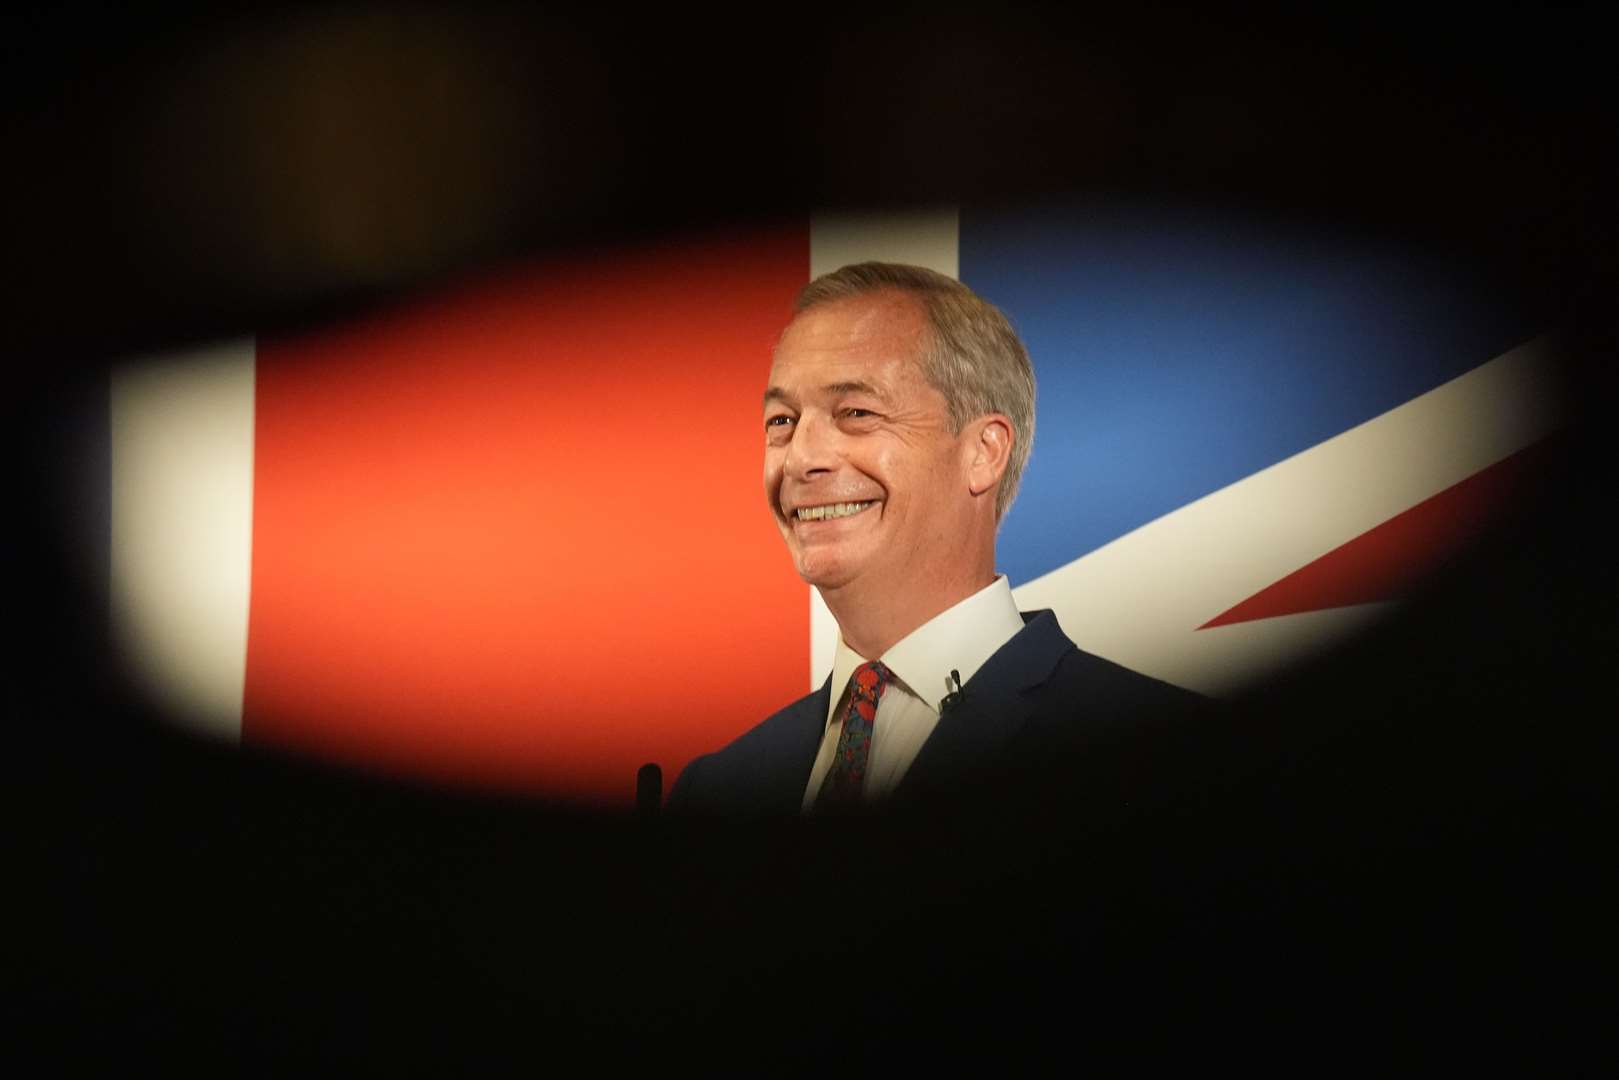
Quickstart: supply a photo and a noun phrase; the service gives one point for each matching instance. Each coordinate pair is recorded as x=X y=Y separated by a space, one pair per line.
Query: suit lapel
x=786 y=765
x=996 y=703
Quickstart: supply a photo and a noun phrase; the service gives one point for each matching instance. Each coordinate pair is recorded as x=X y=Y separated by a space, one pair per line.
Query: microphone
x=953 y=698
x=648 y=790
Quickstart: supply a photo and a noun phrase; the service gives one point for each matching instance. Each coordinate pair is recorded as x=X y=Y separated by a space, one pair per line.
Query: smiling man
x=898 y=417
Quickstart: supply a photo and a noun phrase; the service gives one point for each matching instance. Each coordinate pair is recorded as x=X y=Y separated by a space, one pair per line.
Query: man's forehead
x=866 y=343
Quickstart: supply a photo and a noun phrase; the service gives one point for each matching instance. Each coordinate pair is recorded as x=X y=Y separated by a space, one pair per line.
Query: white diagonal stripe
x=1139 y=599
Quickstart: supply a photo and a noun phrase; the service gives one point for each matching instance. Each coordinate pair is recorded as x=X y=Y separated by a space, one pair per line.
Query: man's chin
x=825 y=574
x=822 y=580
x=829 y=563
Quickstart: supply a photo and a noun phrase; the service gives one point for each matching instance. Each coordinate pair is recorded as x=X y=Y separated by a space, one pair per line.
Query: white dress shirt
x=962 y=638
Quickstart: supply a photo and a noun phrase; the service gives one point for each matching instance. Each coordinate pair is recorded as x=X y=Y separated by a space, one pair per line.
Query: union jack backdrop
x=515 y=535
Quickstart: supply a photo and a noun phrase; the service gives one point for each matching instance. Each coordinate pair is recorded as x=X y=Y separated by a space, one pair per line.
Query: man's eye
x=777 y=421
x=858 y=414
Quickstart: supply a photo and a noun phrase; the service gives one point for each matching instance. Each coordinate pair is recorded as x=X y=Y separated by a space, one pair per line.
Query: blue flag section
x=1178 y=352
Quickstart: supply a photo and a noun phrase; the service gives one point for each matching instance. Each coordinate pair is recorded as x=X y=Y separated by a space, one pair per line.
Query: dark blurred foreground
x=1404 y=843
x=1400 y=845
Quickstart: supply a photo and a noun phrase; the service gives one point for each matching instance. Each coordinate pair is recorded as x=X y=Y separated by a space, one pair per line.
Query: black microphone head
x=953 y=698
x=648 y=788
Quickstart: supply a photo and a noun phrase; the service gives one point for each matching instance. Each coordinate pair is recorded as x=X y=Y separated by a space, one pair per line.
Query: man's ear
x=989 y=450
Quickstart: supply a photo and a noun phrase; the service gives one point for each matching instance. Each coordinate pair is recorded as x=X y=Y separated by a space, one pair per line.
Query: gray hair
x=973 y=356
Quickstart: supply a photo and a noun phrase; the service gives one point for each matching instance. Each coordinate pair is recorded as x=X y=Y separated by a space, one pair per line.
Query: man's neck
x=872 y=620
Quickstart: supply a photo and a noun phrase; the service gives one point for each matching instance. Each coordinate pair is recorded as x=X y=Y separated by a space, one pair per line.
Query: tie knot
x=870 y=680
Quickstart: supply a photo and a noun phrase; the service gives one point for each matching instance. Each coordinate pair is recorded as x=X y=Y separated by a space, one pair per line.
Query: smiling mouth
x=832 y=510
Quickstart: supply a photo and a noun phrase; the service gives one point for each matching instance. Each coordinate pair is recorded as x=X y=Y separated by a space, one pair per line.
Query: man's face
x=862 y=471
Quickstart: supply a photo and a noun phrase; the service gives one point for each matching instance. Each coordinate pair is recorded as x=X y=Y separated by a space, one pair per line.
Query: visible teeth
x=836 y=510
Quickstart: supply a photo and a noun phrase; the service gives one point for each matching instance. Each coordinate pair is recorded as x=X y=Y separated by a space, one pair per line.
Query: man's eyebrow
x=776 y=393
x=853 y=388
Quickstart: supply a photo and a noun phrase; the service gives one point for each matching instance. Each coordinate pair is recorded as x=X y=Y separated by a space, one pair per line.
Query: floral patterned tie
x=845 y=781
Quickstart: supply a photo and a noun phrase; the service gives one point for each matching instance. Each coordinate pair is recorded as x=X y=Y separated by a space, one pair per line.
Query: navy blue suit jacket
x=1039 y=694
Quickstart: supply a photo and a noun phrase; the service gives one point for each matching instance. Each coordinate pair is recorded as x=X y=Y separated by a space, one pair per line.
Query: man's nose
x=813 y=448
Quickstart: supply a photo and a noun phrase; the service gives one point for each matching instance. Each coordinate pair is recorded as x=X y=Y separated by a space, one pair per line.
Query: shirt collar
x=962 y=638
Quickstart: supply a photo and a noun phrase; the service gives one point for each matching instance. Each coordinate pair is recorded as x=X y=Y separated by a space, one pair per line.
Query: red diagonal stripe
x=1384 y=562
